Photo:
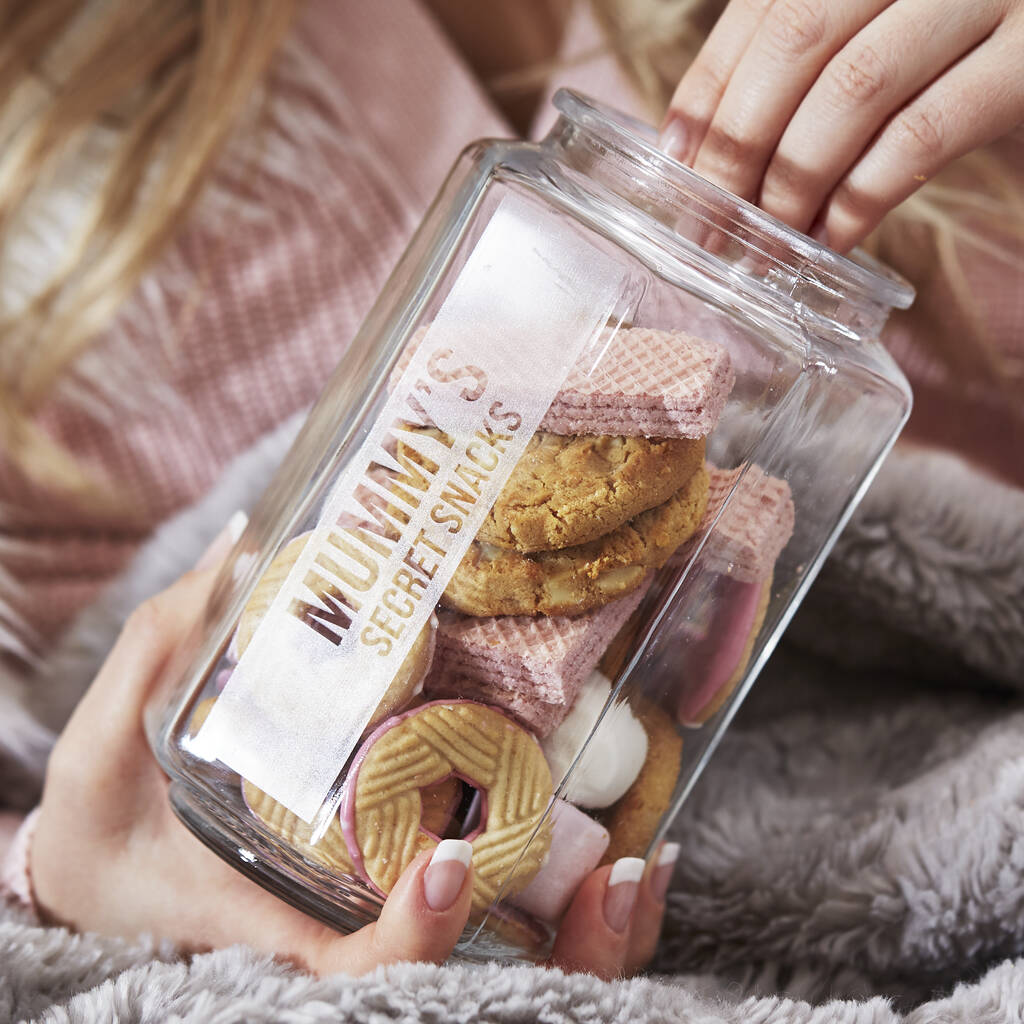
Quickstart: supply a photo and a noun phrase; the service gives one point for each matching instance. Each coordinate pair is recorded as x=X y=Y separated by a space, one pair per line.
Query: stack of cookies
x=609 y=488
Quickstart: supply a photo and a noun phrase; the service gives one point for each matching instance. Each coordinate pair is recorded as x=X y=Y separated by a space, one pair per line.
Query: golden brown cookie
x=331 y=852
x=382 y=814
x=409 y=679
x=497 y=581
x=633 y=820
x=566 y=491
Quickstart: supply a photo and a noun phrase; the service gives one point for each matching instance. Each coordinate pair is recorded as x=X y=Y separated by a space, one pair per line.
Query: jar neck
x=614 y=158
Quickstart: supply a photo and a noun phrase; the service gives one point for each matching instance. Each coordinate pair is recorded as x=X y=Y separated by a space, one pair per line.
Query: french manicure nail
x=442 y=881
x=673 y=139
x=663 y=868
x=622 y=891
x=224 y=541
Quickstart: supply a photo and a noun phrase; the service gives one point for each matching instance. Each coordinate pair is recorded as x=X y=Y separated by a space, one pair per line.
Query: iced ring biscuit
x=716 y=661
x=409 y=679
x=382 y=810
x=566 y=491
x=496 y=581
x=633 y=821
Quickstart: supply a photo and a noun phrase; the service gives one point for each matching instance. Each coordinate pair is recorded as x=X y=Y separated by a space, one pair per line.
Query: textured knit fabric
x=245 y=316
x=852 y=854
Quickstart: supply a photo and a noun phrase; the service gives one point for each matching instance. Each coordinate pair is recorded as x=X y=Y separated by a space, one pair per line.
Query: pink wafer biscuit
x=752 y=531
x=540 y=717
x=534 y=666
x=647 y=383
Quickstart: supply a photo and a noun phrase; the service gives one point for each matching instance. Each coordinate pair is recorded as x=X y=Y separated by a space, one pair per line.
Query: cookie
x=381 y=813
x=532 y=667
x=330 y=853
x=265 y=591
x=566 y=491
x=496 y=581
x=646 y=383
x=439 y=803
x=751 y=530
x=716 y=661
x=633 y=821
x=408 y=680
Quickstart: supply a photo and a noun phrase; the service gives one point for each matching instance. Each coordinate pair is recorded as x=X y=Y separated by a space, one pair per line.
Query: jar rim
x=859 y=271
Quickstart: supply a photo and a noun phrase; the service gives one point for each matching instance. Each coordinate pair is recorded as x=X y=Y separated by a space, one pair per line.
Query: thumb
x=421 y=920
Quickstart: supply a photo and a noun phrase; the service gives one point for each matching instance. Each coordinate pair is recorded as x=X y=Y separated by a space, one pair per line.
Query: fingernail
x=224 y=541
x=623 y=889
x=663 y=868
x=819 y=232
x=673 y=139
x=442 y=881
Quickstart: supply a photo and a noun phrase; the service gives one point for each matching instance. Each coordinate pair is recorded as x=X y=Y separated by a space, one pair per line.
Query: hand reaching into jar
x=828 y=115
x=108 y=854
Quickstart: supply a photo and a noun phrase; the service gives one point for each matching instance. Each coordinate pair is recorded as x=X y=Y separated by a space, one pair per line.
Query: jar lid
x=857 y=273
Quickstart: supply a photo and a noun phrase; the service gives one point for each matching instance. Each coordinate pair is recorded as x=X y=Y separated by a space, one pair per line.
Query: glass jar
x=546 y=523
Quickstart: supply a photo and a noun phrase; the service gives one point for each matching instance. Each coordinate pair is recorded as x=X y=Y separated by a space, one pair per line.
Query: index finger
x=701 y=88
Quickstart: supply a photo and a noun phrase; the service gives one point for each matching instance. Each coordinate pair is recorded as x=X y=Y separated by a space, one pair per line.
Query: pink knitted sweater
x=244 y=317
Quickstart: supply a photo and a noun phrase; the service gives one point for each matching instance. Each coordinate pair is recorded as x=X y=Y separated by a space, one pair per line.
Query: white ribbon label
x=532 y=296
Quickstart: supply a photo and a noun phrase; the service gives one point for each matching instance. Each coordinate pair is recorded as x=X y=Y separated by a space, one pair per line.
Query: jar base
x=296 y=883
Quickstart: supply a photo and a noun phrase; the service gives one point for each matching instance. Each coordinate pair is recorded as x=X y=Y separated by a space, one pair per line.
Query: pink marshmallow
x=578 y=843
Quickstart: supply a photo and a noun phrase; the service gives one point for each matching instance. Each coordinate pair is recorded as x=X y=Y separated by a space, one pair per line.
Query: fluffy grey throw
x=853 y=855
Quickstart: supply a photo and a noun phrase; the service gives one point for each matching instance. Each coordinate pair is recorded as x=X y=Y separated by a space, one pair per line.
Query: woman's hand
x=830 y=114
x=109 y=855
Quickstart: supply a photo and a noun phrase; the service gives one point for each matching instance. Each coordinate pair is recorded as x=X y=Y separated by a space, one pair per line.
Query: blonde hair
x=166 y=80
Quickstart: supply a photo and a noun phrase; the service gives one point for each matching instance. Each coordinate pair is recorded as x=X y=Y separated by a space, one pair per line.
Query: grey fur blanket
x=854 y=853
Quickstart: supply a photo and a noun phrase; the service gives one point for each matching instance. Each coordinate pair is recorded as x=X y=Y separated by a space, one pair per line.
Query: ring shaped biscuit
x=408 y=680
x=496 y=581
x=331 y=851
x=382 y=809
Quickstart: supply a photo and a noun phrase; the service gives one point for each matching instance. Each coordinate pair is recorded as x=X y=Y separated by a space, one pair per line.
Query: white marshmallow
x=614 y=756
